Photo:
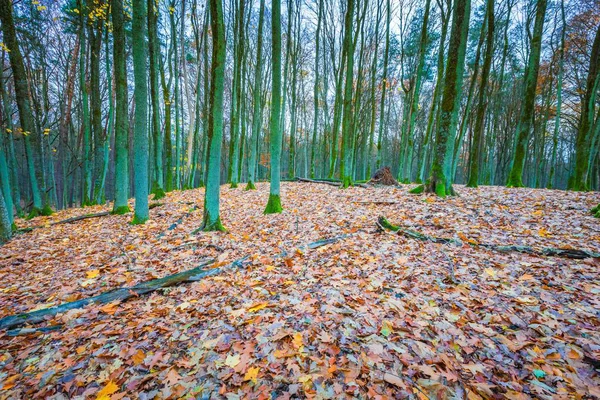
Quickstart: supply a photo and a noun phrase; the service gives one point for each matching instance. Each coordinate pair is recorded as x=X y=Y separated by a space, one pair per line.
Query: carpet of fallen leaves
x=373 y=316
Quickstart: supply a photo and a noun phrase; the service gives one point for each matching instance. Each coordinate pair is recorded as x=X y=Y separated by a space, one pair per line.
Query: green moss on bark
x=273 y=205
x=137 y=220
x=346 y=182
x=418 y=190
x=158 y=192
x=250 y=186
x=35 y=212
x=120 y=210
x=47 y=211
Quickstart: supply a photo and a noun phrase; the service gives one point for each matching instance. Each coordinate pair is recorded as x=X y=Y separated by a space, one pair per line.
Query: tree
x=121 y=118
x=482 y=101
x=28 y=128
x=140 y=127
x=384 y=83
x=579 y=178
x=515 y=178
x=559 y=85
x=153 y=54
x=274 y=202
x=256 y=110
x=5 y=224
x=440 y=180
x=346 y=159
x=212 y=219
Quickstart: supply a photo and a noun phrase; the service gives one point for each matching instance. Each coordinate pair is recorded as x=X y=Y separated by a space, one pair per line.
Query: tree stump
x=383 y=176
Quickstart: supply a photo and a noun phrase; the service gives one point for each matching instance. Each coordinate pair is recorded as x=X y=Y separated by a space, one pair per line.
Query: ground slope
x=374 y=315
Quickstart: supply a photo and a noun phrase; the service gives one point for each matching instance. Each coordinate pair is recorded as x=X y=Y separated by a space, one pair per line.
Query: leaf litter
x=373 y=316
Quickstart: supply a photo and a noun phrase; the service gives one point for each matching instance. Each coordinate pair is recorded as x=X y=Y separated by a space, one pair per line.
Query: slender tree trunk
x=346 y=158
x=153 y=54
x=561 y=61
x=212 y=219
x=384 y=85
x=440 y=181
x=32 y=137
x=274 y=203
x=579 y=178
x=437 y=91
x=515 y=178
x=95 y=30
x=140 y=141
x=482 y=102
x=256 y=106
x=121 y=106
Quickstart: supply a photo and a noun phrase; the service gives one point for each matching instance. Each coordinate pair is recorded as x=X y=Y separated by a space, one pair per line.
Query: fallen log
x=78 y=218
x=330 y=183
x=125 y=293
x=578 y=254
x=66 y=221
x=119 y=294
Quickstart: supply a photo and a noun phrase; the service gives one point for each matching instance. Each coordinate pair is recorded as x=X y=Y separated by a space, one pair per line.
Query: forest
x=281 y=199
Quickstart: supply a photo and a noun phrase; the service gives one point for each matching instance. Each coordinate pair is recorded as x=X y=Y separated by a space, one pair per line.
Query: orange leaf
x=105 y=393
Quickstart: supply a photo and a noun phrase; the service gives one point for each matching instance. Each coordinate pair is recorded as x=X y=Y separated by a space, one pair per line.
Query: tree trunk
x=140 y=142
x=515 y=178
x=274 y=203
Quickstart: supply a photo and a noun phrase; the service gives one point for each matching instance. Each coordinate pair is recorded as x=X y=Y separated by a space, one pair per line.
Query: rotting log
x=578 y=254
x=125 y=293
x=77 y=218
x=66 y=221
x=119 y=294
x=330 y=183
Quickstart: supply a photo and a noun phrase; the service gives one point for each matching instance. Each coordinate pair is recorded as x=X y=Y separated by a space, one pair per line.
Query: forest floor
x=374 y=315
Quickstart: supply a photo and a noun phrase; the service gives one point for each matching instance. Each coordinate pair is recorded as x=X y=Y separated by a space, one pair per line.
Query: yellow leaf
x=105 y=393
x=490 y=272
x=251 y=374
x=543 y=232
x=297 y=340
x=93 y=273
x=258 y=307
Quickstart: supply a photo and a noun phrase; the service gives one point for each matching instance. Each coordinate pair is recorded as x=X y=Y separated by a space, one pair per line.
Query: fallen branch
x=78 y=218
x=119 y=294
x=66 y=221
x=330 y=183
x=548 y=251
x=125 y=293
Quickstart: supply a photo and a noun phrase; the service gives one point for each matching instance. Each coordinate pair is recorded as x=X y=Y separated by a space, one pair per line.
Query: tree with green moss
x=482 y=100
x=579 y=178
x=5 y=222
x=121 y=118
x=515 y=177
x=346 y=158
x=140 y=126
x=256 y=107
x=154 y=52
x=29 y=130
x=274 y=202
x=212 y=219
x=440 y=180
